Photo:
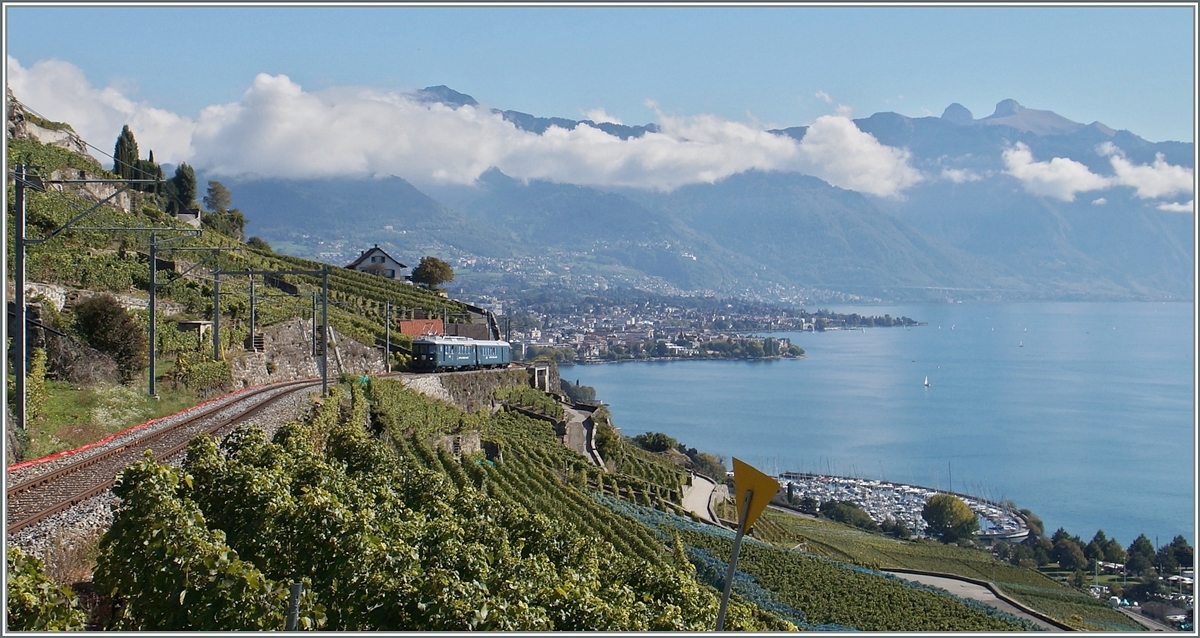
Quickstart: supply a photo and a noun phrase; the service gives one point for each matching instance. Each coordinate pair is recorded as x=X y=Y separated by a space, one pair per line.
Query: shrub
x=107 y=327
x=35 y=603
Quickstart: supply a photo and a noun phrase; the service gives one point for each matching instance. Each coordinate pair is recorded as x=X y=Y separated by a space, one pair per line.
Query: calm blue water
x=1090 y=423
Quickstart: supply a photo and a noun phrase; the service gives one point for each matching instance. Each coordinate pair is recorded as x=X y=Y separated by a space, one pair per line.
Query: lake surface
x=1082 y=412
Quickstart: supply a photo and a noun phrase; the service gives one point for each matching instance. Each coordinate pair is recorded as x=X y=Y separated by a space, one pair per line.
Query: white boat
x=927 y=381
x=1020 y=344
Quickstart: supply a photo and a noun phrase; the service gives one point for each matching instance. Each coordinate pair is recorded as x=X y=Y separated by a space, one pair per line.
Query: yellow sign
x=761 y=487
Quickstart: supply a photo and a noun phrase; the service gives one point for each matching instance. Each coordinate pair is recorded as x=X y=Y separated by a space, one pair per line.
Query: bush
x=655 y=441
x=107 y=327
x=35 y=603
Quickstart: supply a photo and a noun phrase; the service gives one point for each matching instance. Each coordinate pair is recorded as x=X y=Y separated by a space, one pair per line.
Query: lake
x=1082 y=412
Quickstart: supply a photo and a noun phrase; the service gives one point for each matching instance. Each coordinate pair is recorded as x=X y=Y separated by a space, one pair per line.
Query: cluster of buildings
x=668 y=333
x=883 y=500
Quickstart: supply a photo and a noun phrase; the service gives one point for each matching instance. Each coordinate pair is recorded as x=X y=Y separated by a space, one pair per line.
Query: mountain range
x=970 y=230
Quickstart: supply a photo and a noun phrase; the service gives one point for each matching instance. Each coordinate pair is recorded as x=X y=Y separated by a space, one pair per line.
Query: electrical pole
x=325 y=330
x=216 y=328
x=19 y=299
x=253 y=345
x=387 y=337
x=153 y=287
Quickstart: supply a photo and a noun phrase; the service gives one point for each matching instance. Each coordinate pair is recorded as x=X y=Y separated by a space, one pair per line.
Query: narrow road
x=696 y=497
x=576 y=438
x=963 y=589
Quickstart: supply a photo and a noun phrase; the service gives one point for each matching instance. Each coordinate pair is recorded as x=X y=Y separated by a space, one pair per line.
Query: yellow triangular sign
x=761 y=487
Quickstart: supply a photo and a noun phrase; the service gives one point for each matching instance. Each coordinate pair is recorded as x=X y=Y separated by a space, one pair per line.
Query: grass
x=73 y=416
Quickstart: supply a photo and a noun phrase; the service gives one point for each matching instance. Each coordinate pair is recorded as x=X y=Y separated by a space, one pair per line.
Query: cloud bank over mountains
x=1062 y=178
x=277 y=129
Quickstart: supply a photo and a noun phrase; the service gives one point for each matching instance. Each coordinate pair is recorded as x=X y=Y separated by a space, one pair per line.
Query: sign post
x=752 y=491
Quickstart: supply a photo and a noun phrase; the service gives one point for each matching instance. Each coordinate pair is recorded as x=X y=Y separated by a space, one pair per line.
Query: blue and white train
x=441 y=354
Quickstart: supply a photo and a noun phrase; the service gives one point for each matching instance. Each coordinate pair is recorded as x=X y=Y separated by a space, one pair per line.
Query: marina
x=883 y=500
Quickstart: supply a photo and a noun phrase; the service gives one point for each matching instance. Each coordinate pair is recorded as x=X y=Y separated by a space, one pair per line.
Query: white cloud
x=59 y=91
x=599 y=116
x=278 y=129
x=1060 y=178
x=823 y=96
x=960 y=175
x=844 y=111
x=1099 y=201
x=835 y=150
x=1150 y=181
x=1171 y=207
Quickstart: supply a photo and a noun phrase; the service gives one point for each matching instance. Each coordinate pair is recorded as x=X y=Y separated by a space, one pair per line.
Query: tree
x=1035 y=524
x=218 y=198
x=107 y=327
x=949 y=518
x=655 y=441
x=182 y=188
x=1165 y=561
x=1069 y=555
x=1113 y=552
x=1139 y=565
x=1184 y=555
x=231 y=222
x=258 y=243
x=432 y=272
x=125 y=154
x=1141 y=546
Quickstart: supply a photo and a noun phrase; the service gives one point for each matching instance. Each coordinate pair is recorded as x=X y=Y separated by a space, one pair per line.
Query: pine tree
x=218 y=198
x=125 y=154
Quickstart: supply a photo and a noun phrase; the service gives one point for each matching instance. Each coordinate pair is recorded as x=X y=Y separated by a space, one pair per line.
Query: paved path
x=696 y=496
x=963 y=589
x=576 y=438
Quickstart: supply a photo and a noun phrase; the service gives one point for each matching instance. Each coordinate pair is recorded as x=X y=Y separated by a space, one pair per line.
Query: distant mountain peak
x=958 y=114
x=1010 y=113
x=1005 y=108
x=445 y=95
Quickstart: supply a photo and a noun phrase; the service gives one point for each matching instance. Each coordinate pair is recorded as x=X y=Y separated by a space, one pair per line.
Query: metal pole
x=325 y=330
x=314 y=324
x=253 y=344
x=387 y=338
x=293 y=615
x=153 y=286
x=737 y=547
x=216 y=329
x=19 y=299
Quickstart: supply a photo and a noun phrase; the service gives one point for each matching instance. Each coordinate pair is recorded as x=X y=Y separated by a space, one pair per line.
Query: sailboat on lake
x=927 y=381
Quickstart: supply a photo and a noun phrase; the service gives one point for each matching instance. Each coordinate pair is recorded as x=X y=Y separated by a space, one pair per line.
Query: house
x=189 y=216
x=377 y=262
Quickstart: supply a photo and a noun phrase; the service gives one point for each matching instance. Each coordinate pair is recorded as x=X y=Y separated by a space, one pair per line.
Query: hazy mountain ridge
x=978 y=233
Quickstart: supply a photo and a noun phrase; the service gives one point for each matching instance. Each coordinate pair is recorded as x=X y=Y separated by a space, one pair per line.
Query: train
x=444 y=354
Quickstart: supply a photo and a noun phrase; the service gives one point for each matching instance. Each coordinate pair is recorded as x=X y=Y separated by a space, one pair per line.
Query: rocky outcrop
x=23 y=125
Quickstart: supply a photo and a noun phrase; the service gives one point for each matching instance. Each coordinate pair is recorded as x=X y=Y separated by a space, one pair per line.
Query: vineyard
x=117 y=261
x=846 y=544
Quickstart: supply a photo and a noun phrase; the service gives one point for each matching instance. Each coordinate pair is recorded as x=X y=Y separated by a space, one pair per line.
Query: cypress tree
x=185 y=185
x=125 y=154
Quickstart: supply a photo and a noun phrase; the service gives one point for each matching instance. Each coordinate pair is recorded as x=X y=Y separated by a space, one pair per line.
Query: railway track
x=37 y=498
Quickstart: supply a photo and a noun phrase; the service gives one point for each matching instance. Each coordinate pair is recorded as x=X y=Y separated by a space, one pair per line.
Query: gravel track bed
x=230 y=403
x=58 y=539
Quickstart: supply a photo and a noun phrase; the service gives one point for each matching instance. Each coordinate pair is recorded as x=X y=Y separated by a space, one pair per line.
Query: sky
x=310 y=90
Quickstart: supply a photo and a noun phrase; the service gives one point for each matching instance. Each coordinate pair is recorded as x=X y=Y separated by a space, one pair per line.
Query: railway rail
x=34 y=499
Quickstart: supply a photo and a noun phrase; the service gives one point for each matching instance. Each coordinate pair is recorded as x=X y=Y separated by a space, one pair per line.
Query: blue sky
x=1128 y=67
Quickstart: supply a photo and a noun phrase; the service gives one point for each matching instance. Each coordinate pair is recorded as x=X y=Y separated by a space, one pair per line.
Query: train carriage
x=492 y=354
x=436 y=354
